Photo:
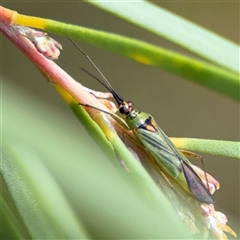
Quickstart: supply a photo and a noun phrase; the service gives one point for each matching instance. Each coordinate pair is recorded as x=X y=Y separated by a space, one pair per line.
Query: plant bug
x=155 y=141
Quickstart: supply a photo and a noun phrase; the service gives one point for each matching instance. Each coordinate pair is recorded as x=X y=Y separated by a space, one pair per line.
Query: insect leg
x=190 y=154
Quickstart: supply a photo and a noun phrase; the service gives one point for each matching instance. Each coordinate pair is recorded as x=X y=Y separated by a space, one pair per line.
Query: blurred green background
x=181 y=108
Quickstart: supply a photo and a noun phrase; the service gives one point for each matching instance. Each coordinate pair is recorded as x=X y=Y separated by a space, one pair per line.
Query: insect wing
x=196 y=186
x=157 y=146
x=171 y=159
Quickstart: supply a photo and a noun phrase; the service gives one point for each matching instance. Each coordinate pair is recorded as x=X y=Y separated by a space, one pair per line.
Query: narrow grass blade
x=202 y=73
x=34 y=191
x=176 y=29
x=214 y=147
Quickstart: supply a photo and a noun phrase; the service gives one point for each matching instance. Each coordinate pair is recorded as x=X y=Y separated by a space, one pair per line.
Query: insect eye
x=123 y=109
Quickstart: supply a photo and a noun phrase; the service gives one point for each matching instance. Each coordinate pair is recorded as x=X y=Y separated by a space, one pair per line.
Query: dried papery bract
x=46 y=45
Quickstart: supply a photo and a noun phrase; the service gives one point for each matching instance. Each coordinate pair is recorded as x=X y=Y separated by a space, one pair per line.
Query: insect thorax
x=132 y=115
x=135 y=118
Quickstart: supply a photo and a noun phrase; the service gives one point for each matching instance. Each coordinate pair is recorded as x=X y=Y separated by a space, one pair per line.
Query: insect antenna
x=105 y=82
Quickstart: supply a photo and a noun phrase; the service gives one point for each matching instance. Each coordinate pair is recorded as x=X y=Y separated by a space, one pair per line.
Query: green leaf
x=208 y=75
x=11 y=227
x=176 y=29
x=36 y=194
x=214 y=147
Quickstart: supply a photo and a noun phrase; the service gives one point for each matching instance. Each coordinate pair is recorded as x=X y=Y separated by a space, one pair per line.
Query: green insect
x=157 y=143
